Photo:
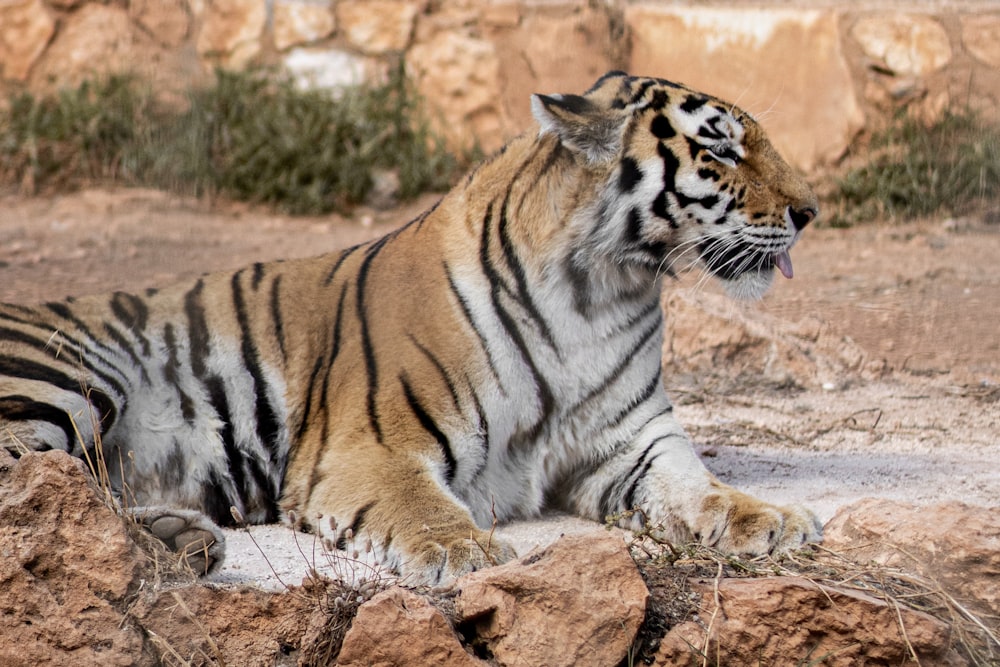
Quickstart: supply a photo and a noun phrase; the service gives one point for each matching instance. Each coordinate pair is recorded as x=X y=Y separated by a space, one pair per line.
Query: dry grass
x=898 y=588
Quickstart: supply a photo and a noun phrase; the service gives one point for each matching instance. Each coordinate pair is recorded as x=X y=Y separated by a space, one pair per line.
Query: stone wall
x=815 y=74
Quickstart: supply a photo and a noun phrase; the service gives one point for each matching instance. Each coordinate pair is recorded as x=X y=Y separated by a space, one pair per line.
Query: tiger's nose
x=802 y=216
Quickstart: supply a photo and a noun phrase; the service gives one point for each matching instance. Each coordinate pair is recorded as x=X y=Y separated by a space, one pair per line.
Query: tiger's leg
x=35 y=416
x=400 y=504
x=660 y=474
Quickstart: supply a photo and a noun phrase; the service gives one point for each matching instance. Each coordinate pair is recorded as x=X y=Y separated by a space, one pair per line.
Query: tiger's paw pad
x=193 y=536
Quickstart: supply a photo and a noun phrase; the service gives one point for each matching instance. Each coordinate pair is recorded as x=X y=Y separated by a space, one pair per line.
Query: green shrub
x=951 y=167
x=252 y=136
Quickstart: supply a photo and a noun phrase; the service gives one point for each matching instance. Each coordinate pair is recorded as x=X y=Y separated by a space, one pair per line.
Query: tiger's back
x=499 y=353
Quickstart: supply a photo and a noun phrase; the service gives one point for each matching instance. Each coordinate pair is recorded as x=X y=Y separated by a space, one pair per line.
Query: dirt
x=921 y=301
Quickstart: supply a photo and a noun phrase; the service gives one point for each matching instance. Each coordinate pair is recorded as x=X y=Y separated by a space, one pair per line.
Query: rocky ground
x=874 y=372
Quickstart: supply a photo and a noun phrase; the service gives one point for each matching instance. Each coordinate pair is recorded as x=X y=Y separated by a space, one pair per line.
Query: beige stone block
x=981 y=37
x=167 y=21
x=299 y=22
x=96 y=39
x=459 y=76
x=550 y=53
x=783 y=66
x=378 y=26
x=25 y=29
x=231 y=30
x=907 y=44
x=328 y=69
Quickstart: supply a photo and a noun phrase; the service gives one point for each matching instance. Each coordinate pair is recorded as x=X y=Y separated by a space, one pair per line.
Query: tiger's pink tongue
x=784 y=263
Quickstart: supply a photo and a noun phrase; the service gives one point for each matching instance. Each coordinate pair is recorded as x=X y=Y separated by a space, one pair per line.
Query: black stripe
x=371 y=363
x=125 y=345
x=307 y=408
x=134 y=314
x=355 y=526
x=276 y=317
x=440 y=369
x=467 y=312
x=629 y=499
x=215 y=502
x=172 y=373
x=258 y=275
x=337 y=264
x=661 y=127
x=630 y=174
x=198 y=337
x=234 y=457
x=620 y=367
x=429 y=425
x=23 y=368
x=510 y=326
x=647 y=392
x=25 y=408
x=268 y=424
x=579 y=281
x=93 y=348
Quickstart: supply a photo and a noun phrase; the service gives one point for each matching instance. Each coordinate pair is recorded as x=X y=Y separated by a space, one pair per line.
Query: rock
x=578 y=601
x=301 y=22
x=167 y=21
x=67 y=565
x=907 y=44
x=231 y=30
x=327 y=69
x=981 y=37
x=94 y=40
x=784 y=66
x=553 y=52
x=399 y=627
x=25 y=29
x=377 y=27
x=707 y=336
x=246 y=627
x=459 y=76
x=794 y=621
x=955 y=544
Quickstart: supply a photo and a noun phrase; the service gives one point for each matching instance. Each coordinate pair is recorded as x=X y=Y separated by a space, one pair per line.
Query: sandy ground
x=922 y=299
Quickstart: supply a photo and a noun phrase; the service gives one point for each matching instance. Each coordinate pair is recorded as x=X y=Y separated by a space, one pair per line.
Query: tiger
x=497 y=356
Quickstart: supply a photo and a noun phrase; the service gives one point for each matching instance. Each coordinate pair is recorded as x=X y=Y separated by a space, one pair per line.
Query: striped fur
x=498 y=354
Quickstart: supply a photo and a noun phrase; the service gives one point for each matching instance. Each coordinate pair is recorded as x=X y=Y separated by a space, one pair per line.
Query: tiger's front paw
x=435 y=563
x=738 y=523
x=192 y=535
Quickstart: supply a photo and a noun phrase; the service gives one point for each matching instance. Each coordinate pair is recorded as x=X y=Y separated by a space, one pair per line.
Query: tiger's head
x=686 y=179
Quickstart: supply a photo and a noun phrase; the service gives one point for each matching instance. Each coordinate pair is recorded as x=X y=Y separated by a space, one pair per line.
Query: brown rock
x=398 y=627
x=167 y=21
x=578 y=601
x=955 y=544
x=981 y=37
x=67 y=565
x=297 y=22
x=246 y=627
x=783 y=65
x=25 y=29
x=231 y=30
x=907 y=44
x=792 y=621
x=706 y=332
x=459 y=76
x=95 y=40
x=378 y=26
x=549 y=53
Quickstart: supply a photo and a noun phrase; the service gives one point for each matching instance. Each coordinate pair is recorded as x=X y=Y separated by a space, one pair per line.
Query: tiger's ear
x=581 y=125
